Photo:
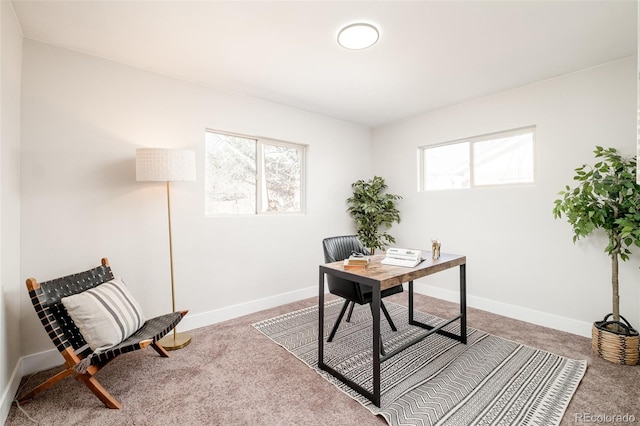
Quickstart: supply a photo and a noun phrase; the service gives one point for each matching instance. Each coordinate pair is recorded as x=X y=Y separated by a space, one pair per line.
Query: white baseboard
x=10 y=391
x=41 y=361
x=51 y=358
x=230 y=312
x=557 y=322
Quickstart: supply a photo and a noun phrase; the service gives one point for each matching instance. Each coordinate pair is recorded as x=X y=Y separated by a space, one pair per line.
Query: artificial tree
x=606 y=197
x=374 y=211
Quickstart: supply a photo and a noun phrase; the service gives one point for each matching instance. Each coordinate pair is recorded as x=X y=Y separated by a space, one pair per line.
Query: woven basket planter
x=620 y=347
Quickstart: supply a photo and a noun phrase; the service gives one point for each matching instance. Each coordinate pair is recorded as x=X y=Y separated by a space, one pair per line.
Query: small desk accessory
x=435 y=249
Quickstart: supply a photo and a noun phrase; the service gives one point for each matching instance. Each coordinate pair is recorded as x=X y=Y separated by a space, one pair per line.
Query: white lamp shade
x=157 y=164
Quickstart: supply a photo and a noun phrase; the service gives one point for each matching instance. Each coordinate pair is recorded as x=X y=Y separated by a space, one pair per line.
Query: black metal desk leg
x=411 y=303
x=375 y=307
x=463 y=303
x=321 y=320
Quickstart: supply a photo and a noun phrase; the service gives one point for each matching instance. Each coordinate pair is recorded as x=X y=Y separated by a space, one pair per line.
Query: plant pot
x=620 y=346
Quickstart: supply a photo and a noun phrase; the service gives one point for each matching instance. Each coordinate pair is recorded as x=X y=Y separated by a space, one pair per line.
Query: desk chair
x=340 y=248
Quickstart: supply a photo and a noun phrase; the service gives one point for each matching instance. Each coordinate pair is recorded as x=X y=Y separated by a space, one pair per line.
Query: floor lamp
x=167 y=165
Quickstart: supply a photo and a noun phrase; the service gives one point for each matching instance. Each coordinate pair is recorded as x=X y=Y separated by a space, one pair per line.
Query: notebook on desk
x=402 y=257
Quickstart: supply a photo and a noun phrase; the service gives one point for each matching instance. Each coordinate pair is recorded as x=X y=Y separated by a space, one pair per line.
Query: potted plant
x=374 y=211
x=607 y=197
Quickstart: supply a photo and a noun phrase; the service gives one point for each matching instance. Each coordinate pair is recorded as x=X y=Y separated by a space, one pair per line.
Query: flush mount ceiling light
x=358 y=36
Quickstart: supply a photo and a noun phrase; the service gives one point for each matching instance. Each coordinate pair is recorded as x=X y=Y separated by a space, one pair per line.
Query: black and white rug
x=439 y=381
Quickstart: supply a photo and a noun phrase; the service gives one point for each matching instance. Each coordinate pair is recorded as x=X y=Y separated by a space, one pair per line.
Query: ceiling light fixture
x=358 y=36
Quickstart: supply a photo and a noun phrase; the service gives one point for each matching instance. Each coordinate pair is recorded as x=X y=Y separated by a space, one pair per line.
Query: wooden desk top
x=391 y=275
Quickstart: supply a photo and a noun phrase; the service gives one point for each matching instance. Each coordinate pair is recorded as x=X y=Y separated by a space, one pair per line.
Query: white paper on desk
x=402 y=257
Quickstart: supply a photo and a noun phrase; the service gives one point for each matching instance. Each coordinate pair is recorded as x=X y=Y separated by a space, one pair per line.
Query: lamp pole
x=175 y=340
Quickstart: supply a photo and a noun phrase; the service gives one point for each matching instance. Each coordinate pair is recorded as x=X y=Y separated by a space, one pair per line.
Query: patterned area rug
x=439 y=381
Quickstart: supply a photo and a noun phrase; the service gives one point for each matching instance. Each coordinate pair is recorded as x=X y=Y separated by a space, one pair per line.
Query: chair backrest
x=340 y=248
x=46 y=298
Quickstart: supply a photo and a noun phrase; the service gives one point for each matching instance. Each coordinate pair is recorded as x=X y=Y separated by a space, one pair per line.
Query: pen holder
x=435 y=249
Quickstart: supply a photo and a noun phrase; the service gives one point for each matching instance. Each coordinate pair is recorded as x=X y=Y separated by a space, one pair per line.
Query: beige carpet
x=232 y=375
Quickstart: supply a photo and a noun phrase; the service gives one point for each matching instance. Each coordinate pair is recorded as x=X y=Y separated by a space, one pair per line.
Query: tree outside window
x=246 y=175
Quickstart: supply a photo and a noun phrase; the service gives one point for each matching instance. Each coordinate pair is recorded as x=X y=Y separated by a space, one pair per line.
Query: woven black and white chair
x=340 y=248
x=80 y=359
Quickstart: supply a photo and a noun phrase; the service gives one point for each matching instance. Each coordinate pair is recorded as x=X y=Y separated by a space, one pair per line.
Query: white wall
x=83 y=118
x=10 y=285
x=522 y=262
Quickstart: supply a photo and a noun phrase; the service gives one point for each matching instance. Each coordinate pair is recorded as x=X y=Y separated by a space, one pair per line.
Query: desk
x=380 y=277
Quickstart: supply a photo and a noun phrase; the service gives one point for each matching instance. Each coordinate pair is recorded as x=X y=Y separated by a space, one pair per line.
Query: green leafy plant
x=374 y=211
x=606 y=197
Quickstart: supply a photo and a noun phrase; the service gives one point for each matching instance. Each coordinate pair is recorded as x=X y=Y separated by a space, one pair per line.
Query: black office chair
x=340 y=248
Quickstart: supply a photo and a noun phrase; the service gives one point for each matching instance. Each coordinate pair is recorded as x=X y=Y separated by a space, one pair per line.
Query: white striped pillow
x=105 y=315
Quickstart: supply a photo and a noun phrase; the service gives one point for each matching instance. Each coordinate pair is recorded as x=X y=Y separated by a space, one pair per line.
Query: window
x=249 y=175
x=504 y=158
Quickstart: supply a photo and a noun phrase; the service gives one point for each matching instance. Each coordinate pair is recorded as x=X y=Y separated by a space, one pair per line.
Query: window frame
x=260 y=142
x=471 y=141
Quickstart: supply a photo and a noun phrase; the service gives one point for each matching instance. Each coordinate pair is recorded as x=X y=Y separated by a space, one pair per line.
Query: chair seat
x=154 y=329
x=384 y=293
